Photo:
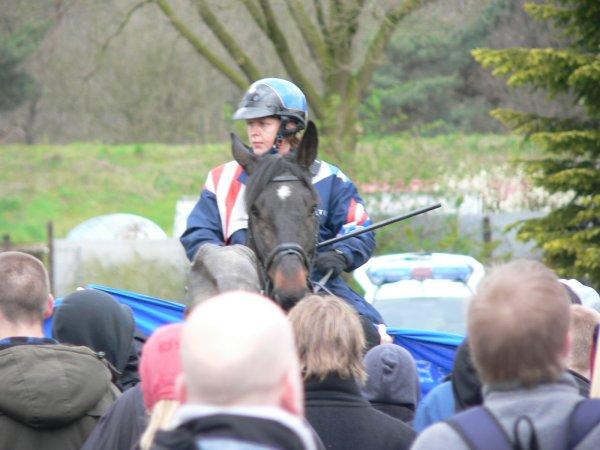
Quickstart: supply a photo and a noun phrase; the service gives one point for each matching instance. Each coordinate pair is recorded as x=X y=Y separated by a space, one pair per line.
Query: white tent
x=116 y=227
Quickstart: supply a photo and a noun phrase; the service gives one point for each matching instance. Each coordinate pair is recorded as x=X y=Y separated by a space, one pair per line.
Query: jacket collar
x=188 y=412
x=334 y=388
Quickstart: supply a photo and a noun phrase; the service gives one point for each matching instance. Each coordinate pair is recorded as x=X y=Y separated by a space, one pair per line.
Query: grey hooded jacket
x=392 y=383
x=547 y=405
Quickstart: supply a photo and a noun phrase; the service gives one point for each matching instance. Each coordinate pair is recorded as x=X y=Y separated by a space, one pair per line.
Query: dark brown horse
x=282 y=225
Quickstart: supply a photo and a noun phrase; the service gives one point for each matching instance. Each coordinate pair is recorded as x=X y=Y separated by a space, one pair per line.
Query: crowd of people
x=240 y=373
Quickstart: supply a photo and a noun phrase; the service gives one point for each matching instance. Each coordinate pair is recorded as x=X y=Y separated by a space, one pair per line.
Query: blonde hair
x=518 y=323
x=329 y=338
x=159 y=419
x=583 y=322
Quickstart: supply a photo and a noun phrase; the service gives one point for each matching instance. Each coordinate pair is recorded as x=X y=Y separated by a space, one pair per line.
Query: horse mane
x=270 y=166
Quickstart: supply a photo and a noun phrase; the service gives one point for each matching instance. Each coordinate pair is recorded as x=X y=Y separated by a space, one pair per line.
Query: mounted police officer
x=275 y=110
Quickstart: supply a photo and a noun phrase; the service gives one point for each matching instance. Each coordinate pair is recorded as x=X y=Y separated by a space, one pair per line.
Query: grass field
x=71 y=183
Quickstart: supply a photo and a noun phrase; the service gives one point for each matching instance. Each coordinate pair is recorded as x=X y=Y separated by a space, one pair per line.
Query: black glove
x=331 y=260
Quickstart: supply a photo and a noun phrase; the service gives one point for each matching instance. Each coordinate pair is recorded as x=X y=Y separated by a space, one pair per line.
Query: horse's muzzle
x=289 y=281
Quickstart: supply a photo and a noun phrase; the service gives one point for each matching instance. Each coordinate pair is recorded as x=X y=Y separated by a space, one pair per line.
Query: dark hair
x=24 y=287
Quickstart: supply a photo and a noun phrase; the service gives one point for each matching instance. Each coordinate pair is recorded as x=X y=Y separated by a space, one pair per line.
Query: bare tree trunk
x=32 y=111
x=328 y=31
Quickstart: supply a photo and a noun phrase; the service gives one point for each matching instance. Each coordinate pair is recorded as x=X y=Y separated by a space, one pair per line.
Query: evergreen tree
x=428 y=79
x=569 y=236
x=16 y=85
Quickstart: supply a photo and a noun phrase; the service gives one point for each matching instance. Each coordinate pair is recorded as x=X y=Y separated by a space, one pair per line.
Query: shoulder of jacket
x=327 y=170
x=233 y=164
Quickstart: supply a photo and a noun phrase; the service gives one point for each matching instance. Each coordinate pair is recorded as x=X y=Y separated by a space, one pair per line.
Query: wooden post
x=487 y=230
x=50 y=240
x=6 y=242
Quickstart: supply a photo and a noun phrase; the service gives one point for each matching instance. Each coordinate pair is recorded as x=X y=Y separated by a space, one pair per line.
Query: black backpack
x=480 y=430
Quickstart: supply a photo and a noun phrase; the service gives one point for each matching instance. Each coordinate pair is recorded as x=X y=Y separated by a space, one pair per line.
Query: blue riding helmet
x=274 y=97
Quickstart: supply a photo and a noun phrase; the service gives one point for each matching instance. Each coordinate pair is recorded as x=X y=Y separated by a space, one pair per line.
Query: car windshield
x=445 y=314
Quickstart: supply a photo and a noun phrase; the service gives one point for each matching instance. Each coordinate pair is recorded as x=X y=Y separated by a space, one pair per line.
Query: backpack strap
x=584 y=417
x=480 y=430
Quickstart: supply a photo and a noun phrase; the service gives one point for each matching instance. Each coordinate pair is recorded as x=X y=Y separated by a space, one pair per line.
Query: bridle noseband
x=287 y=248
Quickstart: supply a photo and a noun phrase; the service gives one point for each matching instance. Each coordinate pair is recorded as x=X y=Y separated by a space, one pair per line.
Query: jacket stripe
x=216 y=175
x=232 y=196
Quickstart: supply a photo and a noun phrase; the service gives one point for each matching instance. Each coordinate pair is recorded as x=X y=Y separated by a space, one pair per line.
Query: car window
x=445 y=314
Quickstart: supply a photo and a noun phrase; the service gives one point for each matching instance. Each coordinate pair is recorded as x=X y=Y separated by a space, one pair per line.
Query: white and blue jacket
x=220 y=217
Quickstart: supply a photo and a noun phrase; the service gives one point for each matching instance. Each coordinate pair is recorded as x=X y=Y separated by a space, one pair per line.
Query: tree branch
x=344 y=17
x=286 y=56
x=118 y=31
x=381 y=40
x=323 y=25
x=201 y=48
x=255 y=13
x=310 y=33
x=239 y=56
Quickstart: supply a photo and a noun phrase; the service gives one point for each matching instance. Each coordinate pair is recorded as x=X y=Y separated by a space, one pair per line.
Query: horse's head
x=282 y=224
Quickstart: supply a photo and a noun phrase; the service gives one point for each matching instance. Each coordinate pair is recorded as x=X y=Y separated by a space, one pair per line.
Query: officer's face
x=262 y=133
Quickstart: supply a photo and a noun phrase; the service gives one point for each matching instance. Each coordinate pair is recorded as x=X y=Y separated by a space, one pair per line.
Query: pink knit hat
x=161 y=364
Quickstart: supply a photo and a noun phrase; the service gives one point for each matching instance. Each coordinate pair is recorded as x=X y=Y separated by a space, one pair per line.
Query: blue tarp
x=433 y=351
x=149 y=312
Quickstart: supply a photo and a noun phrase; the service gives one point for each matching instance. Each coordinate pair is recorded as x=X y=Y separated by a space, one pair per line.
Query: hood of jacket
x=466 y=384
x=96 y=320
x=391 y=376
x=50 y=386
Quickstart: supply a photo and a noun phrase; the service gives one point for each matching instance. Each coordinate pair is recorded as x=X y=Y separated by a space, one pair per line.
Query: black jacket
x=122 y=426
x=344 y=420
x=222 y=430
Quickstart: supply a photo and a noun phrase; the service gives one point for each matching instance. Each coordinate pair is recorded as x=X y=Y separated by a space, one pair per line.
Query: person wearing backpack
x=518 y=326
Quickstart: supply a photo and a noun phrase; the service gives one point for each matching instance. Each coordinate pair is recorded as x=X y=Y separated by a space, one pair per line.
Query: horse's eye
x=254 y=211
x=313 y=210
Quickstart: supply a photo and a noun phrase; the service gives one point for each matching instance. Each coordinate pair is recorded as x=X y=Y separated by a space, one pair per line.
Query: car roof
x=380 y=271
x=424 y=289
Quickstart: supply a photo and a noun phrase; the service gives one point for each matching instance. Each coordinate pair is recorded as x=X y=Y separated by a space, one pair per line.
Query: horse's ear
x=242 y=154
x=307 y=150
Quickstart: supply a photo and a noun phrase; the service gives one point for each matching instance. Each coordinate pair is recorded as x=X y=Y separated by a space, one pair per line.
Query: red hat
x=161 y=364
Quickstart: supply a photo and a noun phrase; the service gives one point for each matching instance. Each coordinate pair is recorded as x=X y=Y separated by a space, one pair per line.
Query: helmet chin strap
x=284 y=132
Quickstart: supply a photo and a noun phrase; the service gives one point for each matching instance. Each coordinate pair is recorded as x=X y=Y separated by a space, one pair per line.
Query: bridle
x=283 y=249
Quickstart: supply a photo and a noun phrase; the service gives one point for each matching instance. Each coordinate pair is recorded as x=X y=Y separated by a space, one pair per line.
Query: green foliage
x=429 y=77
x=570 y=235
x=16 y=85
x=425 y=235
x=68 y=184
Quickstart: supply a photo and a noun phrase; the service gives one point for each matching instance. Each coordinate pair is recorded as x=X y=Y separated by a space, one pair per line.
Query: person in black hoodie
x=330 y=343
x=392 y=383
x=94 y=319
x=466 y=383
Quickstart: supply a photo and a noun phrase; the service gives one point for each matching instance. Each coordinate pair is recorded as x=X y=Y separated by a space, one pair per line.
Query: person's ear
x=180 y=389
x=568 y=346
x=49 y=307
x=292 y=395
